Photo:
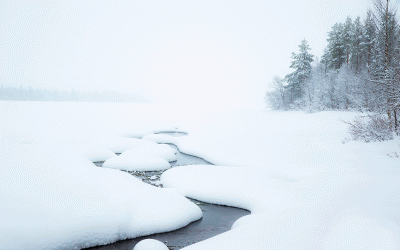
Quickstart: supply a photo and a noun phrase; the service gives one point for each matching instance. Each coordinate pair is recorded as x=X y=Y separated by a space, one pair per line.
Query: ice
x=150 y=244
x=137 y=162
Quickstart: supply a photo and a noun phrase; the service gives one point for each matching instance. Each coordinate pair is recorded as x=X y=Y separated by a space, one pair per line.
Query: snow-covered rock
x=150 y=244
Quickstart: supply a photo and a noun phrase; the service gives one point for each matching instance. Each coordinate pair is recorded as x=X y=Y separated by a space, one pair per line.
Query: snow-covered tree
x=336 y=52
x=277 y=98
x=347 y=38
x=316 y=88
x=302 y=71
x=356 y=46
x=369 y=39
x=360 y=68
x=386 y=68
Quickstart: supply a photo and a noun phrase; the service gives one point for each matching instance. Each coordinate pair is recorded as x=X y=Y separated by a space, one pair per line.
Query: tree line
x=359 y=70
x=33 y=94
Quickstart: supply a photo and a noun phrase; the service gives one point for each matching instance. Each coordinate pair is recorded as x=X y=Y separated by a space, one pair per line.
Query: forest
x=359 y=70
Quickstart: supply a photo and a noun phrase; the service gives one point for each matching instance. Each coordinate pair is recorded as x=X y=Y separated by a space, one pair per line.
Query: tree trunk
x=395 y=121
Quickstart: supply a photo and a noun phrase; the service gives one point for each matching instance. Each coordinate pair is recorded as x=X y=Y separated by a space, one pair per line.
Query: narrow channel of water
x=216 y=219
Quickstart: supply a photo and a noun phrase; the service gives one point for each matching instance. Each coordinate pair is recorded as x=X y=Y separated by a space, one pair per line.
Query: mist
x=216 y=52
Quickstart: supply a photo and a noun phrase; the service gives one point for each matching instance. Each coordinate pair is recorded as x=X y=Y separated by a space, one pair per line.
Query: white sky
x=198 y=51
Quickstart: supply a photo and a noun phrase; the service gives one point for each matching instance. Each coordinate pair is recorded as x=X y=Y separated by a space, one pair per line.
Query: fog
x=204 y=52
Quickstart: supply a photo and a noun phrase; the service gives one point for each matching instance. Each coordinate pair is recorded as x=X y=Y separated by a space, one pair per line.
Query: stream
x=216 y=218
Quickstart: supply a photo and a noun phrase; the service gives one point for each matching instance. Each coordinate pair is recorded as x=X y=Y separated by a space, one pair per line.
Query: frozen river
x=216 y=219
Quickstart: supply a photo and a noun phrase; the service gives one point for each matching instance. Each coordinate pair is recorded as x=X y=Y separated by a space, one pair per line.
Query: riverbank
x=306 y=186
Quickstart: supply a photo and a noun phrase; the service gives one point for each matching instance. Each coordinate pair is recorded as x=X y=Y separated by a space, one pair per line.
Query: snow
x=94 y=153
x=121 y=144
x=53 y=197
x=137 y=162
x=162 y=151
x=160 y=138
x=150 y=244
x=306 y=186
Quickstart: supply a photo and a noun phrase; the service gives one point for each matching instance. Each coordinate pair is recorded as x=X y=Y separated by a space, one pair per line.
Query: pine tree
x=347 y=37
x=302 y=65
x=369 y=40
x=356 y=46
x=336 y=46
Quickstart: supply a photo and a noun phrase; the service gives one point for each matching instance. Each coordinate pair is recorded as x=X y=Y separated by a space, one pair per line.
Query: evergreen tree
x=336 y=46
x=368 y=42
x=356 y=46
x=302 y=71
x=347 y=37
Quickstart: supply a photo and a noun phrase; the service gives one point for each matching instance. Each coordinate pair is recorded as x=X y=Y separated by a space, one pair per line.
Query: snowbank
x=137 y=162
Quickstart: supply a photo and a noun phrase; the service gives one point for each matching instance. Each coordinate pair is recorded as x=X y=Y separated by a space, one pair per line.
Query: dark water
x=216 y=219
x=185 y=159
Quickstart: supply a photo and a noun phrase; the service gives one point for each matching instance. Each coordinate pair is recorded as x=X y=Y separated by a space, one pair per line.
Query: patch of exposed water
x=216 y=218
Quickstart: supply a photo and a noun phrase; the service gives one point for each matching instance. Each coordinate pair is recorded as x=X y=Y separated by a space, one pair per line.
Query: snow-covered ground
x=305 y=188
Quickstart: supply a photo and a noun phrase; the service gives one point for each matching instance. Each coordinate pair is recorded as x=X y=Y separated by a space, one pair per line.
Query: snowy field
x=305 y=185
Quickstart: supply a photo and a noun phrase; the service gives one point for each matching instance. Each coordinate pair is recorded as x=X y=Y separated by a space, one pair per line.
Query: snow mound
x=232 y=186
x=166 y=153
x=121 y=144
x=161 y=138
x=137 y=162
x=150 y=244
x=168 y=146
